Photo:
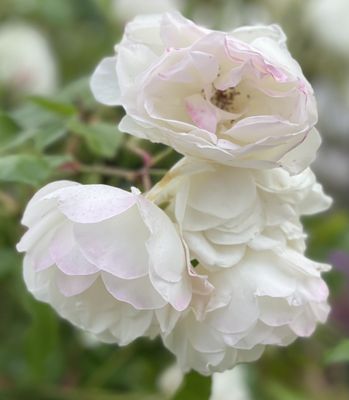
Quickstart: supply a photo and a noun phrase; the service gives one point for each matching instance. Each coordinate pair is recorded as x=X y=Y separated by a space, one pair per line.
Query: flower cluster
x=212 y=257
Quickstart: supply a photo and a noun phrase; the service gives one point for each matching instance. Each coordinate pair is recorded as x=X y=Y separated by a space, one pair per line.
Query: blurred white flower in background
x=89 y=340
x=332 y=165
x=231 y=15
x=328 y=19
x=230 y=385
x=170 y=380
x=126 y=10
x=27 y=64
x=333 y=110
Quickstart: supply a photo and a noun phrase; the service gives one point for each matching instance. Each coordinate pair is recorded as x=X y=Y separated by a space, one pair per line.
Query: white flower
x=170 y=380
x=328 y=20
x=126 y=10
x=243 y=228
x=237 y=98
x=267 y=298
x=230 y=385
x=27 y=63
x=109 y=261
x=223 y=211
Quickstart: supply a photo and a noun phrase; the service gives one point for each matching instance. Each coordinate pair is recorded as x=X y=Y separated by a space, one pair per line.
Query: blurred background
x=51 y=128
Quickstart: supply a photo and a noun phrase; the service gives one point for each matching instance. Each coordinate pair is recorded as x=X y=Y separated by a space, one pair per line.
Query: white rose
x=27 y=63
x=230 y=385
x=237 y=98
x=170 y=380
x=243 y=228
x=265 y=299
x=223 y=211
x=109 y=261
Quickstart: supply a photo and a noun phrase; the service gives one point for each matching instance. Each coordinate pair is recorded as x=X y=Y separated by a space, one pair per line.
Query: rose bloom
x=267 y=298
x=97 y=255
x=223 y=211
x=237 y=98
x=243 y=231
x=230 y=385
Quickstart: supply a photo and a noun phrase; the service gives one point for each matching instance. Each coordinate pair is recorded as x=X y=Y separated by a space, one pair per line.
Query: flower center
x=224 y=99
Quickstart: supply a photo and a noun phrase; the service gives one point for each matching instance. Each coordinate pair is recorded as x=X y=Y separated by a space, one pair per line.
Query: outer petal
x=104 y=83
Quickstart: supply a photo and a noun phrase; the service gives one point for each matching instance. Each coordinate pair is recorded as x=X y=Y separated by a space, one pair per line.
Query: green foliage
x=69 y=136
x=195 y=387
x=339 y=354
x=102 y=139
x=25 y=168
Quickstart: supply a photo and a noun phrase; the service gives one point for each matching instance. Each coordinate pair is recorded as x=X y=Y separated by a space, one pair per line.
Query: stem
x=160 y=156
x=127 y=174
x=108 y=171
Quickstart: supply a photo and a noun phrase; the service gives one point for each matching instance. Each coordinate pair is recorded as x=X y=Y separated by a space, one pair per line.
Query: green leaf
x=44 y=137
x=277 y=391
x=195 y=387
x=101 y=138
x=339 y=354
x=58 y=160
x=24 y=168
x=77 y=91
x=57 y=107
x=8 y=130
x=32 y=116
x=9 y=261
x=41 y=340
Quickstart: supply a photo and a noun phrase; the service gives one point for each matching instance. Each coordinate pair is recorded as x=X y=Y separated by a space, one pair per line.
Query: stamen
x=224 y=99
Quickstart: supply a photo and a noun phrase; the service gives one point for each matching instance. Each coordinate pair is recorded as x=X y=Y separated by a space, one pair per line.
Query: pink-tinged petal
x=104 y=83
x=302 y=155
x=179 y=69
x=178 y=294
x=201 y=113
x=250 y=33
x=196 y=221
x=242 y=312
x=132 y=61
x=277 y=312
x=164 y=244
x=131 y=324
x=206 y=65
x=37 y=232
x=230 y=79
x=40 y=256
x=144 y=29
x=73 y=285
x=179 y=32
x=208 y=189
x=116 y=245
x=87 y=204
x=39 y=205
x=167 y=318
x=256 y=128
x=315 y=290
x=320 y=311
x=304 y=325
x=140 y=293
x=67 y=255
x=211 y=255
x=39 y=284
